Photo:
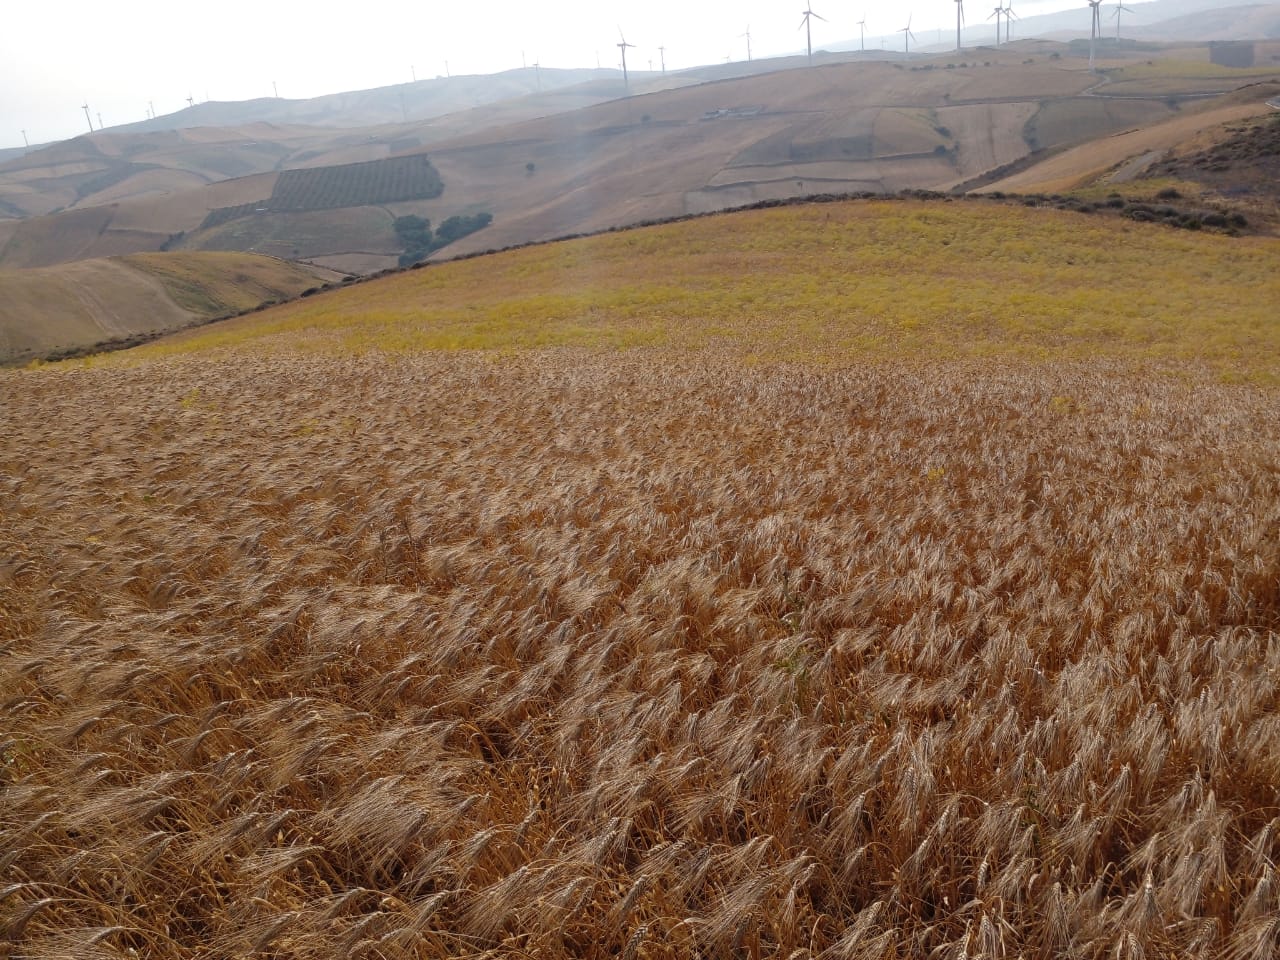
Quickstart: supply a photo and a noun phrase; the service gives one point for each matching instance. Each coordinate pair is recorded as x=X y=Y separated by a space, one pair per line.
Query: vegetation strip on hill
x=830 y=283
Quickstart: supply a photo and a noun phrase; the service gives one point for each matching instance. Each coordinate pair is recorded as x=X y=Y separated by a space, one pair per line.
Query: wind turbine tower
x=24 y=138
x=623 y=47
x=1120 y=8
x=748 y=36
x=999 y=12
x=1095 y=28
x=959 y=23
x=808 y=32
x=1009 y=17
x=191 y=101
x=908 y=36
x=85 y=108
x=862 y=33
x=662 y=53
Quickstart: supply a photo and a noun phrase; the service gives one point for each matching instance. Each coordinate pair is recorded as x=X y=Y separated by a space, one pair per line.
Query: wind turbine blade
x=821 y=17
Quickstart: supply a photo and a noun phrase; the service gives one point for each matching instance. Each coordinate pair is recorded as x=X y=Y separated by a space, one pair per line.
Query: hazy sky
x=56 y=56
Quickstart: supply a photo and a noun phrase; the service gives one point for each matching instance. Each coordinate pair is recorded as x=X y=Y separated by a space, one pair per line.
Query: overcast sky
x=57 y=56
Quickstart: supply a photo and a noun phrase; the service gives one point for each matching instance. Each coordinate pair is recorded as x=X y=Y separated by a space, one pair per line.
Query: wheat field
x=642 y=654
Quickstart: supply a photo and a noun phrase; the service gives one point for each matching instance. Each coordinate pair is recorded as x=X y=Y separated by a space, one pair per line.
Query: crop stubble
x=588 y=654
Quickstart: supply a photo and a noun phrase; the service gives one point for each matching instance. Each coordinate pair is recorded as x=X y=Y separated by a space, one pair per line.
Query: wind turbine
x=1095 y=27
x=1120 y=7
x=1009 y=17
x=25 y=140
x=997 y=14
x=748 y=36
x=862 y=32
x=623 y=47
x=959 y=23
x=808 y=32
x=191 y=101
x=662 y=53
x=908 y=36
x=85 y=108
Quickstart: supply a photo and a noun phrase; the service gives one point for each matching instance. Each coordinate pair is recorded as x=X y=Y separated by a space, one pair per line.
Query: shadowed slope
x=77 y=305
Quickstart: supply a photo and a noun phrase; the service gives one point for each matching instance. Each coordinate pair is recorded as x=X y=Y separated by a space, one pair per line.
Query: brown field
x=306 y=235
x=152 y=183
x=356 y=263
x=597 y=655
x=983 y=132
x=1083 y=164
x=1081 y=119
x=321 y=641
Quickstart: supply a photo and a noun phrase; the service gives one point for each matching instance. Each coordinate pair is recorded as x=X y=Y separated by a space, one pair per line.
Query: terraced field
x=656 y=598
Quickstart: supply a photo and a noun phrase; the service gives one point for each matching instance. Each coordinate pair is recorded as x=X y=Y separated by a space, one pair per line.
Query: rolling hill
x=846 y=126
x=75 y=306
x=579 y=159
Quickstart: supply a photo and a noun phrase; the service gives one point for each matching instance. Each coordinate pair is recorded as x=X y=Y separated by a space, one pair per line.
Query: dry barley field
x=644 y=653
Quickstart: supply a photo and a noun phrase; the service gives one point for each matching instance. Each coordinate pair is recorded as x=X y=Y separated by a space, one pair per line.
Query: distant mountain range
x=1160 y=20
x=401 y=103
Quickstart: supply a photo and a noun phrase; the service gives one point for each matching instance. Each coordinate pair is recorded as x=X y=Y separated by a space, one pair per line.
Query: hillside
x=214 y=142
x=1129 y=153
x=108 y=168
x=581 y=158
x=849 y=126
x=77 y=305
x=852 y=580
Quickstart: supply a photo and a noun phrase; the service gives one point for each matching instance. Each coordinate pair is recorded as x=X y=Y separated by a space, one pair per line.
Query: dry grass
x=579 y=654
